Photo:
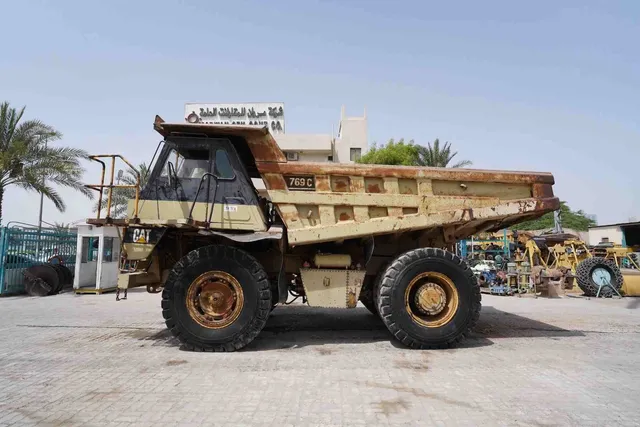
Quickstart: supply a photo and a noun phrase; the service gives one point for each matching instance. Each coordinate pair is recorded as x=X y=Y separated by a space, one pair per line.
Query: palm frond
x=462 y=164
x=9 y=119
x=48 y=191
x=34 y=132
x=439 y=155
x=28 y=161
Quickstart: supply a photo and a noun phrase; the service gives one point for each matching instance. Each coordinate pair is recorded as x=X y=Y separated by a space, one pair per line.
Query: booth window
x=86 y=242
x=107 y=250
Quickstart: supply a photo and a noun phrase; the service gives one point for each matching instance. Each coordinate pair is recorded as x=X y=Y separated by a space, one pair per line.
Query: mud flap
x=283 y=286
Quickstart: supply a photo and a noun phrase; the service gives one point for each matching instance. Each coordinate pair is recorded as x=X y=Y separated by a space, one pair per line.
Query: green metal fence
x=22 y=247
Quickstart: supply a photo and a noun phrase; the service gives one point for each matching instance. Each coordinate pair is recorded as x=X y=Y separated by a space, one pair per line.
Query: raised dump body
x=327 y=233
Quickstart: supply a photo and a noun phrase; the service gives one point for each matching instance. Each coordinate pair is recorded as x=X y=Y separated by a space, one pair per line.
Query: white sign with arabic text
x=261 y=114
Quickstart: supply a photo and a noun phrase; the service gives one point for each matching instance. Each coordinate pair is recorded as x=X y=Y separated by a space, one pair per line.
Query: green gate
x=22 y=247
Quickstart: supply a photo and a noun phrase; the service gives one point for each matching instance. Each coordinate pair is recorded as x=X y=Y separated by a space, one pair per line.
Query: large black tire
x=62 y=276
x=68 y=283
x=41 y=280
x=588 y=285
x=255 y=289
x=392 y=294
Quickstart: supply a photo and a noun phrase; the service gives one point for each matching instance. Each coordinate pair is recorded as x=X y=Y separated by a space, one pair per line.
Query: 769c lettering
x=301 y=182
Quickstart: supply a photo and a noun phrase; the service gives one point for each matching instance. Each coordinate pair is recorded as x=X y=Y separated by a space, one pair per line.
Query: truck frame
x=225 y=253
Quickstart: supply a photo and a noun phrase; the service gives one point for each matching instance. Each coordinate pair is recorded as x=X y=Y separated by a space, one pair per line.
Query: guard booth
x=97 y=259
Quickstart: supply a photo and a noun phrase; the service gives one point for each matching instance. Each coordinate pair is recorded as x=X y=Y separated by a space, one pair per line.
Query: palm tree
x=62 y=228
x=28 y=162
x=121 y=196
x=435 y=156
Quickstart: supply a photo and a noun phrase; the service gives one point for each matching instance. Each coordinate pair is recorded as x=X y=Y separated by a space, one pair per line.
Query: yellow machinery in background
x=532 y=254
x=568 y=254
x=564 y=256
x=631 y=284
x=623 y=257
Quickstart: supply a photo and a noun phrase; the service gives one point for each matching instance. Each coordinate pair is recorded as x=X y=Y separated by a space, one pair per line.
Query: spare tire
x=41 y=280
x=66 y=277
x=596 y=271
x=63 y=279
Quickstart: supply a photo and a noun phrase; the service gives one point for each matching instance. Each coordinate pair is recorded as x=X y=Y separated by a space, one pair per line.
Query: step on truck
x=224 y=251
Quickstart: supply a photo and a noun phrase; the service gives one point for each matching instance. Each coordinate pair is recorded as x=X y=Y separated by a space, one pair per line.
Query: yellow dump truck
x=225 y=254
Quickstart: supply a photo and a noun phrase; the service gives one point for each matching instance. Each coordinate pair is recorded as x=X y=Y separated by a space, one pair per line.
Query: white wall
x=613 y=233
x=108 y=271
x=311 y=156
x=303 y=142
x=352 y=134
x=85 y=274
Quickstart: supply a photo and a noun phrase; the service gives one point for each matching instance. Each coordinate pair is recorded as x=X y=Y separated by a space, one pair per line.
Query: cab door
x=235 y=199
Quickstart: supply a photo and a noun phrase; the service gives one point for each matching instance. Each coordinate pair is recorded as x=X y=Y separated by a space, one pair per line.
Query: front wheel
x=429 y=298
x=216 y=298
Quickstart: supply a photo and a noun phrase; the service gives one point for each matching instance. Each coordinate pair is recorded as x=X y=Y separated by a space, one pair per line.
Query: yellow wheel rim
x=215 y=299
x=431 y=299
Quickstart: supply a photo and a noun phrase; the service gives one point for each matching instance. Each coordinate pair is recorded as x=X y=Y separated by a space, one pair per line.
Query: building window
x=330 y=158
x=292 y=155
x=355 y=154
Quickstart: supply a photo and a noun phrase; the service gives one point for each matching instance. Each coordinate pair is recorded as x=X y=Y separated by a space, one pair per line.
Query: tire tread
x=389 y=279
x=218 y=252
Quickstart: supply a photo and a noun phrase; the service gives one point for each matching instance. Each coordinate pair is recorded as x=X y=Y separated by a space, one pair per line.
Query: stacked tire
x=589 y=268
x=46 y=279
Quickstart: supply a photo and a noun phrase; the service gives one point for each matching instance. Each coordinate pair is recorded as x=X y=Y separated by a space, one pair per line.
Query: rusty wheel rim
x=431 y=299
x=215 y=299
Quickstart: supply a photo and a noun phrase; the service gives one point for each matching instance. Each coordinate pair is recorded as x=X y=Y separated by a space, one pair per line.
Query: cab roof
x=259 y=140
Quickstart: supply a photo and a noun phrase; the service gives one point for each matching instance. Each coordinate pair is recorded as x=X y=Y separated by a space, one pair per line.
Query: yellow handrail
x=100 y=187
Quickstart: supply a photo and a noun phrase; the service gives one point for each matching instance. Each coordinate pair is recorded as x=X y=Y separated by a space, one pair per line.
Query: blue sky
x=543 y=86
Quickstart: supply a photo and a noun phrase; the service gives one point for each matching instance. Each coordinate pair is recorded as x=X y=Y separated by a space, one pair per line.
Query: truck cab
x=200 y=181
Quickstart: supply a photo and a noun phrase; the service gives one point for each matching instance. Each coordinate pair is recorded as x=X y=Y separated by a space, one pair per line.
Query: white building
x=347 y=146
x=351 y=141
x=625 y=234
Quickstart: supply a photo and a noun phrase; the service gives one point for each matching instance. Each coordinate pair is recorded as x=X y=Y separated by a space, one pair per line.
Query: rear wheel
x=429 y=298
x=217 y=298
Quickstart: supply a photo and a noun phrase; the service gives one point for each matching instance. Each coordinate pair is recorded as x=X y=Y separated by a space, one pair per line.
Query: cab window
x=186 y=163
x=223 y=168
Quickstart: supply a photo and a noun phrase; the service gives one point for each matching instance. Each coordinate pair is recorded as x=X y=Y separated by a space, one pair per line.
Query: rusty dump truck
x=225 y=253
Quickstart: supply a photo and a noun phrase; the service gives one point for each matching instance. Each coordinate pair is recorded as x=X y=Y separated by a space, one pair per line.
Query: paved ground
x=89 y=360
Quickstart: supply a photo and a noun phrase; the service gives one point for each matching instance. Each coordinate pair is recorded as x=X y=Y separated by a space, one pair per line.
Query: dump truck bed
x=322 y=202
